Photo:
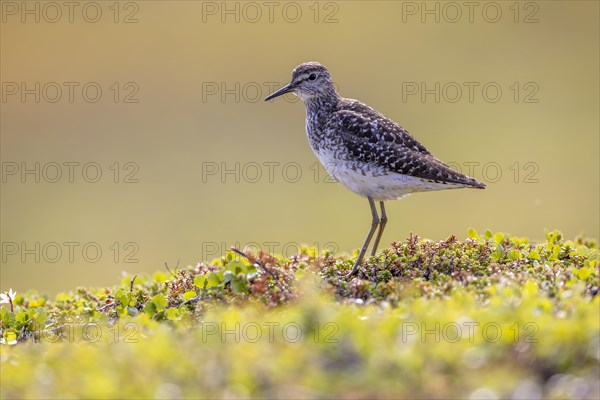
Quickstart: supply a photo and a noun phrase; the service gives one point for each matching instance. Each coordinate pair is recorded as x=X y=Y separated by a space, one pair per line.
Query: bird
x=368 y=153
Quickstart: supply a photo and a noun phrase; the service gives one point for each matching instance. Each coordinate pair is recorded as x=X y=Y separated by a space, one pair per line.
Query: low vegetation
x=490 y=316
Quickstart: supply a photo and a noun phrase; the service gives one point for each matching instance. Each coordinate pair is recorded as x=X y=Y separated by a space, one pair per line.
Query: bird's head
x=309 y=81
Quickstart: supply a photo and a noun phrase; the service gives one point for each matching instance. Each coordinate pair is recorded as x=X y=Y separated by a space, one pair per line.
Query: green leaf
x=473 y=234
x=213 y=280
x=62 y=296
x=159 y=316
x=18 y=300
x=498 y=237
x=6 y=316
x=172 y=314
x=554 y=236
x=189 y=295
x=23 y=317
x=498 y=254
x=159 y=277
x=121 y=311
x=40 y=316
x=228 y=276
x=10 y=336
x=159 y=301
x=514 y=254
x=584 y=273
x=150 y=308
x=236 y=266
x=125 y=299
x=199 y=281
x=239 y=286
x=37 y=302
x=556 y=249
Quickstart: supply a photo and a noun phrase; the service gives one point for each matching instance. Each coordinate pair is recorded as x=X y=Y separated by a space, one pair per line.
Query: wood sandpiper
x=365 y=151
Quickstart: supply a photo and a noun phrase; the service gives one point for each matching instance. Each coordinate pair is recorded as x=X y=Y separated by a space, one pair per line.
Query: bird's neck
x=321 y=104
x=318 y=112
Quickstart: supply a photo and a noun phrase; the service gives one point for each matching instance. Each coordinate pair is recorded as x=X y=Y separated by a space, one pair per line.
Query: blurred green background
x=187 y=105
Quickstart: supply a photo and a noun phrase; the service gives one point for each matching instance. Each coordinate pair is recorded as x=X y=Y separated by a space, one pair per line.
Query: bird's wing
x=371 y=137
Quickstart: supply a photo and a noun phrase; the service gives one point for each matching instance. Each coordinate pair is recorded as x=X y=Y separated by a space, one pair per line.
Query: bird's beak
x=286 y=89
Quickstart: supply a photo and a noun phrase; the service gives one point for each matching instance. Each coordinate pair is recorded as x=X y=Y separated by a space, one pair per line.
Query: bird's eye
x=312 y=77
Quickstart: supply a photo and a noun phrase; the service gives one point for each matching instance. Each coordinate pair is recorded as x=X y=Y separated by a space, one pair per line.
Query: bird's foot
x=353 y=271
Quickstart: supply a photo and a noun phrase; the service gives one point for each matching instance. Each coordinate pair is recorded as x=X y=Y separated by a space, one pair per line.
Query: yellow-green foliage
x=488 y=316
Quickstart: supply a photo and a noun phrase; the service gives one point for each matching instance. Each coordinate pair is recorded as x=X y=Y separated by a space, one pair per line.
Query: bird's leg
x=382 y=222
x=363 y=250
